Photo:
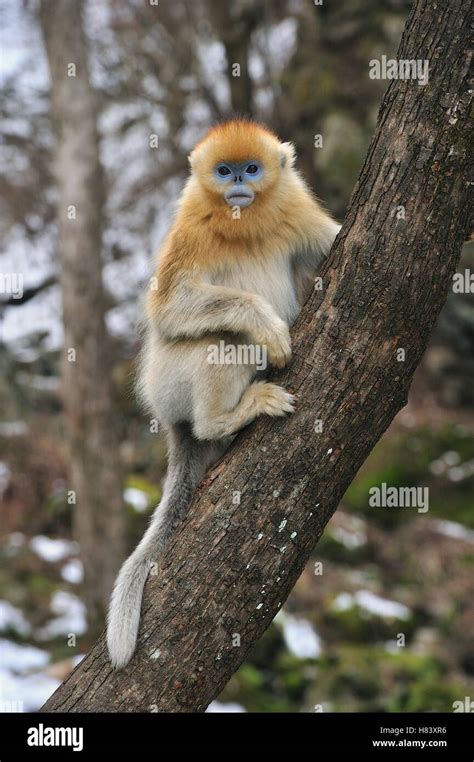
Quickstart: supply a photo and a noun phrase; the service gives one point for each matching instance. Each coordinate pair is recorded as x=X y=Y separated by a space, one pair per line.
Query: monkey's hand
x=198 y=308
x=278 y=344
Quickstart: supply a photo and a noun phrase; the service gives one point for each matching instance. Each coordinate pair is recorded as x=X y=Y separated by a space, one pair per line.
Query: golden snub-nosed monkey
x=233 y=272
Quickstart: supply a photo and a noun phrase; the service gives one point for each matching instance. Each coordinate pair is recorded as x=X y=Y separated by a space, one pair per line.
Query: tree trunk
x=86 y=363
x=234 y=24
x=231 y=566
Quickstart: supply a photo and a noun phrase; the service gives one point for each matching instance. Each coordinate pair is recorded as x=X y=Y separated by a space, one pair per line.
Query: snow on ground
x=300 y=638
x=25 y=693
x=70 y=617
x=13 y=428
x=136 y=498
x=21 y=659
x=454 y=530
x=5 y=475
x=73 y=571
x=217 y=706
x=53 y=550
x=372 y=603
x=350 y=537
x=12 y=618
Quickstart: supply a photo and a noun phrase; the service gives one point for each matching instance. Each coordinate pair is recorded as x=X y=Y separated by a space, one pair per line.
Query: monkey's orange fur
x=284 y=217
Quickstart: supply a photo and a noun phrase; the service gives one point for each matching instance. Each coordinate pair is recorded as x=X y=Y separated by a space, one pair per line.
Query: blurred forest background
x=388 y=624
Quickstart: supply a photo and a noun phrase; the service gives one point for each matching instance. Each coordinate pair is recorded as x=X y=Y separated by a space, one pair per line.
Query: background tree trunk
x=95 y=471
x=231 y=566
x=234 y=24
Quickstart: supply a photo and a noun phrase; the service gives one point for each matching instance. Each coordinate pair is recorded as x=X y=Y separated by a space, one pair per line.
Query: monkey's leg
x=213 y=421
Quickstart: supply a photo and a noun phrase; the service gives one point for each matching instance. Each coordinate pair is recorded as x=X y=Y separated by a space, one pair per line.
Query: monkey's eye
x=252 y=169
x=223 y=171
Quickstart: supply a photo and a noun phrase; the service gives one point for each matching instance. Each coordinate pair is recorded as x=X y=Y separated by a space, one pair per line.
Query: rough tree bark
x=95 y=471
x=232 y=566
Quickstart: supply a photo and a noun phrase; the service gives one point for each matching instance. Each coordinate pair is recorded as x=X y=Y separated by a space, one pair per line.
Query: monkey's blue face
x=239 y=179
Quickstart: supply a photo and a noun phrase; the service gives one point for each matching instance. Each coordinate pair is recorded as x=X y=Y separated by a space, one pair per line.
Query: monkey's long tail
x=188 y=460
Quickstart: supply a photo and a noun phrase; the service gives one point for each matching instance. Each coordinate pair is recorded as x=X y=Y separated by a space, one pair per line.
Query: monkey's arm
x=307 y=260
x=309 y=257
x=197 y=308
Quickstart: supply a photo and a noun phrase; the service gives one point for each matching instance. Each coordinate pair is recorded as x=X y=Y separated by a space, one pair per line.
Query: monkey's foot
x=274 y=400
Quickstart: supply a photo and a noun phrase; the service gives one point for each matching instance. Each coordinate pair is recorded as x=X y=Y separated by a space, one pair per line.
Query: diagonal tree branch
x=29 y=293
x=231 y=566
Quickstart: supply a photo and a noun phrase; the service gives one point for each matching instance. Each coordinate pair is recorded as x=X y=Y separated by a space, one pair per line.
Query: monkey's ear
x=287 y=154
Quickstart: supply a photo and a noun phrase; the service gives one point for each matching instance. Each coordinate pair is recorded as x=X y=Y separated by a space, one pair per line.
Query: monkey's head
x=241 y=164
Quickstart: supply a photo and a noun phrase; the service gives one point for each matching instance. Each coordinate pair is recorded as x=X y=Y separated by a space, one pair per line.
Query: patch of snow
x=343 y=602
x=372 y=603
x=13 y=428
x=349 y=538
x=30 y=690
x=21 y=659
x=218 y=706
x=381 y=606
x=73 y=571
x=212 y=62
x=12 y=618
x=53 y=550
x=454 y=530
x=281 y=39
x=71 y=617
x=5 y=475
x=136 y=498
x=300 y=638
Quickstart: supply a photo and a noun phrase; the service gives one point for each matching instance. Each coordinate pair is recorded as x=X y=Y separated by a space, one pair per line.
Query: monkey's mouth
x=239 y=196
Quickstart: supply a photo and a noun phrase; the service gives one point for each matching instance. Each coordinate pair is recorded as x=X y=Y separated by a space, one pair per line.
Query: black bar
x=442 y=734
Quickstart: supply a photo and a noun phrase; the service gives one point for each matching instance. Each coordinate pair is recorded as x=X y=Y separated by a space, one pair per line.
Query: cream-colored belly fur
x=271 y=279
x=176 y=376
